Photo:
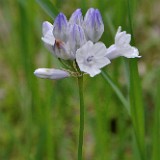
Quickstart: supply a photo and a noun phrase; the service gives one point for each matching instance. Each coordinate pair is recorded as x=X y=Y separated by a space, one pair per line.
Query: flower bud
x=76 y=17
x=51 y=73
x=93 y=25
x=76 y=37
x=60 y=27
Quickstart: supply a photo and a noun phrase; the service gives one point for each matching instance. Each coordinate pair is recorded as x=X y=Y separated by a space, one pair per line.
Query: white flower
x=51 y=73
x=91 y=58
x=122 y=46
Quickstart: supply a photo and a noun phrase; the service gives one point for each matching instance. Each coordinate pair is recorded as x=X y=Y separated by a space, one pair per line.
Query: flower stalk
x=81 y=128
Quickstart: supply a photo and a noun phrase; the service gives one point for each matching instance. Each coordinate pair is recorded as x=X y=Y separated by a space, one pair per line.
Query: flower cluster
x=75 y=43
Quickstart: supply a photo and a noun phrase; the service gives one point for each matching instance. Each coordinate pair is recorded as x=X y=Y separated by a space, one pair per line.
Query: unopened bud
x=51 y=73
x=93 y=25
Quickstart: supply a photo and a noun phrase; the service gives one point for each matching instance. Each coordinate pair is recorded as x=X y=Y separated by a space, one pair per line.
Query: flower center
x=89 y=59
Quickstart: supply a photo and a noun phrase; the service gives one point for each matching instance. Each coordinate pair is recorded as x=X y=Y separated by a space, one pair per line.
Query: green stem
x=81 y=128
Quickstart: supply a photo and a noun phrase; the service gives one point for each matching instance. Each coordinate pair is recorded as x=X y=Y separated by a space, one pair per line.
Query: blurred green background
x=39 y=119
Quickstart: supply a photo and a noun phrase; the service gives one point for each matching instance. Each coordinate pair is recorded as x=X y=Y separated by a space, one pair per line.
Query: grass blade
x=137 y=110
x=117 y=90
x=84 y=6
x=136 y=100
x=156 y=128
x=48 y=7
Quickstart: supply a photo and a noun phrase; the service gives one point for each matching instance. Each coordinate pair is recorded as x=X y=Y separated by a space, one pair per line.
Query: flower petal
x=91 y=70
x=128 y=51
x=51 y=73
x=48 y=37
x=131 y=52
x=122 y=38
x=76 y=17
x=46 y=26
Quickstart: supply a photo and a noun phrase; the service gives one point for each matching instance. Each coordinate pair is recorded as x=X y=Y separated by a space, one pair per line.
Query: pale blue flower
x=91 y=58
x=77 y=40
x=63 y=38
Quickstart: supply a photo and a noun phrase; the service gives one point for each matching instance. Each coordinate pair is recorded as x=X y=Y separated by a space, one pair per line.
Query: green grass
x=39 y=119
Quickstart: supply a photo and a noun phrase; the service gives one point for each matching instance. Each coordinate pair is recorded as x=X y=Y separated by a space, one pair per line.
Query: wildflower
x=75 y=44
x=91 y=57
x=51 y=73
x=122 y=46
